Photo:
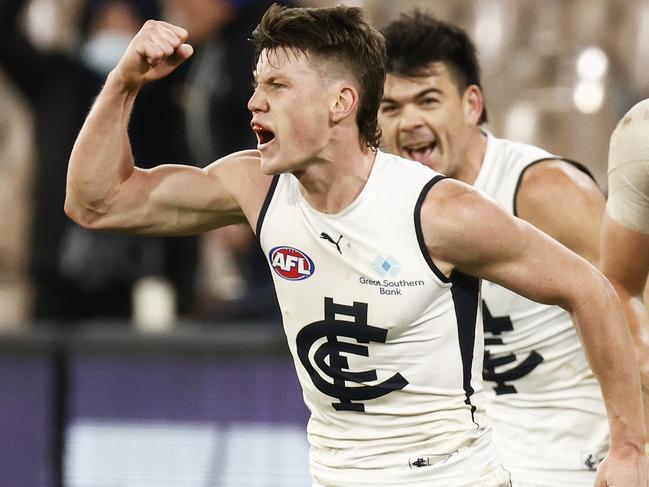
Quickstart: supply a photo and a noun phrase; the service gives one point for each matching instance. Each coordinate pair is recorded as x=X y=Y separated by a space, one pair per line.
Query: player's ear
x=473 y=104
x=344 y=103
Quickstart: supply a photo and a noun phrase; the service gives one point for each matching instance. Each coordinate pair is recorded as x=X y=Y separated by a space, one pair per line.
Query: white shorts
x=478 y=465
x=551 y=444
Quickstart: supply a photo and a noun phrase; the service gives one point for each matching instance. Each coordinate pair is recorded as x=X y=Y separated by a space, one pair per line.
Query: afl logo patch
x=291 y=264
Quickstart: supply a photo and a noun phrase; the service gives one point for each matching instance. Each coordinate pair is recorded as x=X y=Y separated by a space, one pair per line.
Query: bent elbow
x=592 y=287
x=602 y=287
x=80 y=214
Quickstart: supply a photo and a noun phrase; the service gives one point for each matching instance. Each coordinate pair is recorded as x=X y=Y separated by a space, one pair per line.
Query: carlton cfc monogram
x=338 y=366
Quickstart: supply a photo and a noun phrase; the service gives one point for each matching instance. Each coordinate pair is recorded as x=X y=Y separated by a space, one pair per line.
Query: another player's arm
x=465 y=230
x=565 y=203
x=104 y=188
x=625 y=261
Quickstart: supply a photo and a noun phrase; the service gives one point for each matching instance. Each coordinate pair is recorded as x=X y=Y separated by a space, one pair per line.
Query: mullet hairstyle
x=418 y=39
x=339 y=34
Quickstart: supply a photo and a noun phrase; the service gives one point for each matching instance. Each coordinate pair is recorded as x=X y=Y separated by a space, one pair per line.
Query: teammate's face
x=289 y=106
x=427 y=118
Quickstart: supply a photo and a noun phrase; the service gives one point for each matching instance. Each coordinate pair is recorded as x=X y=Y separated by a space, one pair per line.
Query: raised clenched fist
x=155 y=51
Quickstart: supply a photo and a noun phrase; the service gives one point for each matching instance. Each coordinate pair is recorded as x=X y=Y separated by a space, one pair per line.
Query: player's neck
x=474 y=157
x=332 y=183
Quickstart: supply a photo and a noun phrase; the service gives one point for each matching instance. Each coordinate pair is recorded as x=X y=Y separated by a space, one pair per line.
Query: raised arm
x=106 y=191
x=468 y=232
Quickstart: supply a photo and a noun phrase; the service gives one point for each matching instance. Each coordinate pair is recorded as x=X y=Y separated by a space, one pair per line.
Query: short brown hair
x=338 y=33
x=416 y=40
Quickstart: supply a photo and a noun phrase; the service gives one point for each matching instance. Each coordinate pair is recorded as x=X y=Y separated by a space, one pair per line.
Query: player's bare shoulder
x=244 y=160
x=241 y=173
x=453 y=216
x=449 y=205
x=552 y=178
x=554 y=184
x=564 y=201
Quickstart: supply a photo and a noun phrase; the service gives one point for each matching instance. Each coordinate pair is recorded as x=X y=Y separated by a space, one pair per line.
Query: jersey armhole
x=576 y=164
x=265 y=205
x=420 y=234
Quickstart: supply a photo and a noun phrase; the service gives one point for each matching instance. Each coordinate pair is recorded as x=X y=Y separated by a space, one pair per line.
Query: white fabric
x=554 y=424
x=418 y=428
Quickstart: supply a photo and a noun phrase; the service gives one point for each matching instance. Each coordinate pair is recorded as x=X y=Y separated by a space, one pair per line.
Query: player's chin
x=270 y=166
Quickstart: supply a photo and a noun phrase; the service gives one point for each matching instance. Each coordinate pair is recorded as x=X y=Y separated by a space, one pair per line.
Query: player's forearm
x=101 y=159
x=608 y=344
x=638 y=319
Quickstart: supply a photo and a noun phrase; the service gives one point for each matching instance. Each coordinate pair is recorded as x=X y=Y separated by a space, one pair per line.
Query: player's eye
x=428 y=101
x=389 y=109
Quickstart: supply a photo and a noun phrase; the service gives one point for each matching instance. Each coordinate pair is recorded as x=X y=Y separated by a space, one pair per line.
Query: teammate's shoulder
x=639 y=111
x=556 y=174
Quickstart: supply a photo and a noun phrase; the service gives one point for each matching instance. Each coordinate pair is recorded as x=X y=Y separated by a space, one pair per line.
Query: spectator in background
x=218 y=86
x=75 y=274
x=15 y=179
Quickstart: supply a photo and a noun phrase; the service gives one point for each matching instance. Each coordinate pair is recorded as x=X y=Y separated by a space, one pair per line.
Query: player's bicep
x=172 y=200
x=470 y=232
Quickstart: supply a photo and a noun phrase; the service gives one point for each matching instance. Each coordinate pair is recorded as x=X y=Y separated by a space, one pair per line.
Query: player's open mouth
x=264 y=136
x=419 y=152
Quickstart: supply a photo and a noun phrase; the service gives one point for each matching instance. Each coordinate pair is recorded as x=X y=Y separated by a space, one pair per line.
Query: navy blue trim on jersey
x=420 y=234
x=264 y=207
x=578 y=165
x=466 y=296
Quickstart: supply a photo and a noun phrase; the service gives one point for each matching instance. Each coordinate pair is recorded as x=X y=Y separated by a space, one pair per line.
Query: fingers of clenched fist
x=158 y=40
x=155 y=51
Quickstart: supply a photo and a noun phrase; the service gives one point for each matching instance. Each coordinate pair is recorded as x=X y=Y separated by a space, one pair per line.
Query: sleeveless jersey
x=544 y=404
x=388 y=351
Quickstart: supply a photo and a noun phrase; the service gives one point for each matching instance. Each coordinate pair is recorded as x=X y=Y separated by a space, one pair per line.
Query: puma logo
x=329 y=239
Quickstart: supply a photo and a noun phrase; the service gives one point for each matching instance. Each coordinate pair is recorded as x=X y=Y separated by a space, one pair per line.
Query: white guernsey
x=392 y=380
x=541 y=390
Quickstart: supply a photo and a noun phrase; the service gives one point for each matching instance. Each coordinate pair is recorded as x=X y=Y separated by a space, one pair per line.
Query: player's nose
x=410 y=119
x=257 y=102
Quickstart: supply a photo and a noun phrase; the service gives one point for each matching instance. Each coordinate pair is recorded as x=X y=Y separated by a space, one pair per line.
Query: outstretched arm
x=106 y=191
x=468 y=232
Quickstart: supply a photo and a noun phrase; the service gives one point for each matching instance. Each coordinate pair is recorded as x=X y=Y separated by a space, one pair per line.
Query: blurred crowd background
x=556 y=73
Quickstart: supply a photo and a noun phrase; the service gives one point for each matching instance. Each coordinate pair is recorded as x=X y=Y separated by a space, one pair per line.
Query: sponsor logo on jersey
x=594 y=456
x=290 y=263
x=386 y=265
x=326 y=237
x=428 y=460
